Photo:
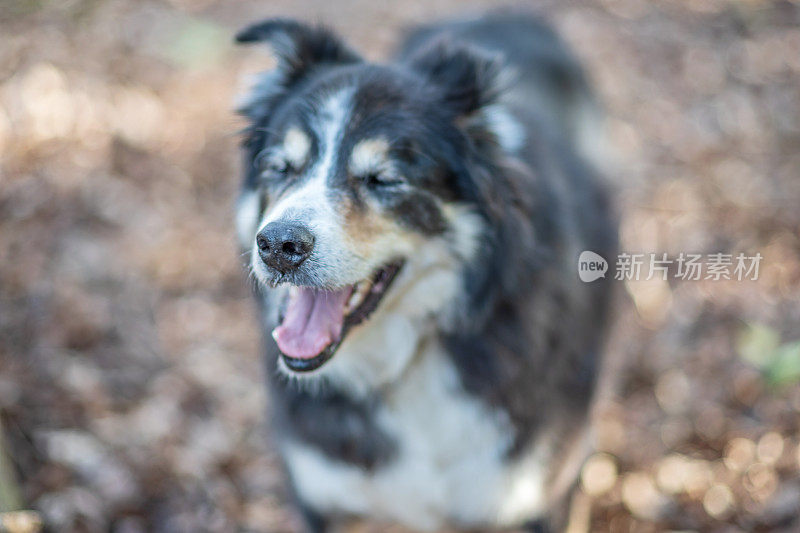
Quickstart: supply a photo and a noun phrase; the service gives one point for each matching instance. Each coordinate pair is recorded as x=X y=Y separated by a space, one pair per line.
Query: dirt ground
x=131 y=393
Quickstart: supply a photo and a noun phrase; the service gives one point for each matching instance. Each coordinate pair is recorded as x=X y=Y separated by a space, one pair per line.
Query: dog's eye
x=274 y=168
x=381 y=180
x=279 y=167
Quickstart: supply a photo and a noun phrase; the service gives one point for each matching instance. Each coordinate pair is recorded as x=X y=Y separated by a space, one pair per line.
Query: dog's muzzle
x=314 y=319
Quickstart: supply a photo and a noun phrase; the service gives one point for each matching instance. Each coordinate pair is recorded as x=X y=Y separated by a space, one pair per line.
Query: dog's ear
x=298 y=48
x=469 y=78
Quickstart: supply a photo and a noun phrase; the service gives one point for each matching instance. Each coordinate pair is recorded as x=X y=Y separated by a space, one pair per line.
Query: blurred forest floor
x=131 y=393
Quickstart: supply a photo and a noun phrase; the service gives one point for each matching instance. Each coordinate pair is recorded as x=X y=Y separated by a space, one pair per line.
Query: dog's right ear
x=298 y=47
x=469 y=78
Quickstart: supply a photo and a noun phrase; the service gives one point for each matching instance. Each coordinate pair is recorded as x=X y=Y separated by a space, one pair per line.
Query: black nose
x=284 y=245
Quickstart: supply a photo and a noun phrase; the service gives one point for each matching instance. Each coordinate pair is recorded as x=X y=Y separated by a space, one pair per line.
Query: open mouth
x=316 y=321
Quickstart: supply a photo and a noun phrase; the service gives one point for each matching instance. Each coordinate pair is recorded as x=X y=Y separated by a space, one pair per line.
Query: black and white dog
x=415 y=231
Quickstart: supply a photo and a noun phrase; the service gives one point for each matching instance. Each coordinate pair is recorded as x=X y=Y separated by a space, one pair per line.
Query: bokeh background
x=131 y=393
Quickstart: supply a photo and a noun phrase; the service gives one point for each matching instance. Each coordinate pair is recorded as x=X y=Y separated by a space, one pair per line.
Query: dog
x=414 y=229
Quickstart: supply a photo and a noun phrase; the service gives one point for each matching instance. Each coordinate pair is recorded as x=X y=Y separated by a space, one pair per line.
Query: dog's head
x=360 y=190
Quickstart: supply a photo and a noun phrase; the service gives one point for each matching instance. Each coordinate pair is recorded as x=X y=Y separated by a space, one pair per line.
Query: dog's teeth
x=363 y=288
x=357 y=297
x=275 y=334
x=353 y=301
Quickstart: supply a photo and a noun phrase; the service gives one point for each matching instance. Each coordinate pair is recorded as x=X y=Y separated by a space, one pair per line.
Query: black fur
x=341 y=427
x=549 y=77
x=299 y=48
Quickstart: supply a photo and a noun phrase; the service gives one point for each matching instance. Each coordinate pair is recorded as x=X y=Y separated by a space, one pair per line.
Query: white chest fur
x=450 y=463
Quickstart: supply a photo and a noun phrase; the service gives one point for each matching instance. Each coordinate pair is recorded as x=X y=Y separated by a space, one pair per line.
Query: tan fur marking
x=296 y=145
x=368 y=156
x=363 y=226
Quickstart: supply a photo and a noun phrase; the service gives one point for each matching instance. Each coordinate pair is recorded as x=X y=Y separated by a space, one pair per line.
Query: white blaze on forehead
x=296 y=145
x=332 y=123
x=368 y=156
x=309 y=201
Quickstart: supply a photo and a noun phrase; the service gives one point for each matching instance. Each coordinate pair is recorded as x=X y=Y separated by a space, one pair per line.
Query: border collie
x=414 y=231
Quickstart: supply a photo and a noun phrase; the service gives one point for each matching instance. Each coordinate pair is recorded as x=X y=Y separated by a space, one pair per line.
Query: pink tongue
x=313 y=320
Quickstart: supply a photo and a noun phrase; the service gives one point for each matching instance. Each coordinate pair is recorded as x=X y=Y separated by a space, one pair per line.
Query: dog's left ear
x=469 y=78
x=299 y=48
